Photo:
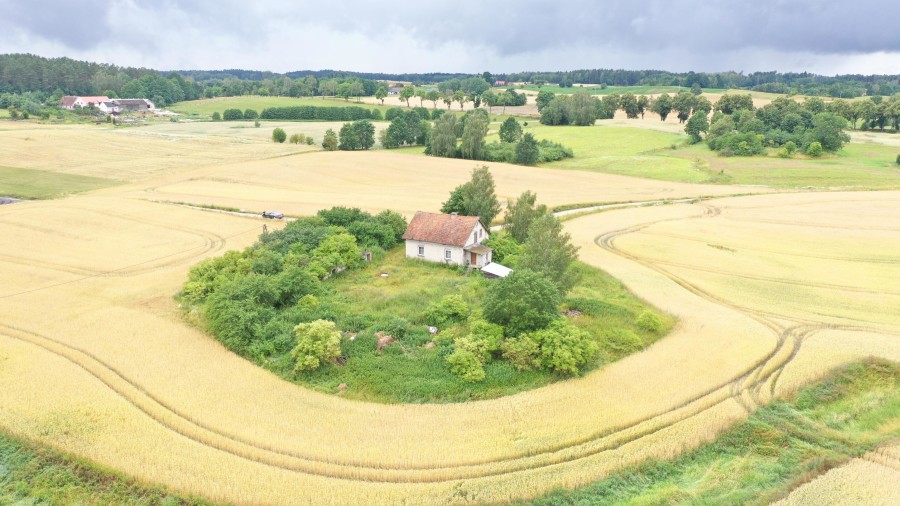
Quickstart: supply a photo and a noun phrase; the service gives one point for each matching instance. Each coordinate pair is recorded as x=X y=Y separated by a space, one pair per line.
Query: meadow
x=97 y=360
x=39 y=184
x=206 y=107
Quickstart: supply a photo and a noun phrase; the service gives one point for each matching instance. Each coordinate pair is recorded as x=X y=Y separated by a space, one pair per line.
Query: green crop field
x=39 y=184
x=208 y=106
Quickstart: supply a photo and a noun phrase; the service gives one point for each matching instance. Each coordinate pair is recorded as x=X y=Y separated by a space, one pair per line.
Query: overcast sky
x=822 y=36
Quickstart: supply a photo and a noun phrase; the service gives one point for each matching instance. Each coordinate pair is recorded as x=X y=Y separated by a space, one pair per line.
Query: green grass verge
x=780 y=447
x=32 y=476
x=415 y=374
x=206 y=107
x=41 y=184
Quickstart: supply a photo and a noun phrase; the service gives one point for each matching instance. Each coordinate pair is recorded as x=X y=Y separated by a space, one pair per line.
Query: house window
x=447 y=254
x=421 y=251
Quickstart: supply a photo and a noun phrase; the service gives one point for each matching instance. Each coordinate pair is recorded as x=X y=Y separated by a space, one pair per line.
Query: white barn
x=447 y=238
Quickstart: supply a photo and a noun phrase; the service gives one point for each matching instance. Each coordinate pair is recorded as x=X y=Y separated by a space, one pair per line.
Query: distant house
x=394 y=91
x=71 y=102
x=109 y=107
x=133 y=104
x=447 y=238
x=499 y=83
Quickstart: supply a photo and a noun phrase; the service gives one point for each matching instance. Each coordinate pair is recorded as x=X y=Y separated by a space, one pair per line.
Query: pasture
x=96 y=359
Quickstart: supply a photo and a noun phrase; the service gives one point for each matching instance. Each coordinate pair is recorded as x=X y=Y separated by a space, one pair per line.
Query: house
x=499 y=83
x=109 y=107
x=71 y=102
x=447 y=238
x=394 y=91
x=134 y=104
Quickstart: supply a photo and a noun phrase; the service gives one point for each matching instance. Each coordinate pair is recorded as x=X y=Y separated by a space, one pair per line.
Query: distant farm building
x=499 y=83
x=394 y=91
x=447 y=238
x=106 y=104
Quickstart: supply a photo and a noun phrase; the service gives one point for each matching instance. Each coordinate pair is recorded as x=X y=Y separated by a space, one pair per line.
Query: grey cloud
x=79 y=24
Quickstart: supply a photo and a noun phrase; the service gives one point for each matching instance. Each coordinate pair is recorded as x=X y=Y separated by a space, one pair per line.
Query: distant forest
x=45 y=79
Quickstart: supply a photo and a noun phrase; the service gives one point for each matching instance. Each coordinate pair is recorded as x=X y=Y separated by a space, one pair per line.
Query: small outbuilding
x=494 y=270
x=448 y=238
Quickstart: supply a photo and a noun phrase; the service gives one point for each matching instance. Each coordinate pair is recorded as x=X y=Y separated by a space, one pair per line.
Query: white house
x=447 y=238
x=71 y=102
x=108 y=107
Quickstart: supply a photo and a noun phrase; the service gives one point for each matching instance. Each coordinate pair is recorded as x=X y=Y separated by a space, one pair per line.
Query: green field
x=859 y=166
x=39 y=184
x=208 y=106
x=780 y=447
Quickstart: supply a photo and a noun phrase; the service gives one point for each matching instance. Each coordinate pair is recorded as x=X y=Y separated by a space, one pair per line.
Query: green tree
x=828 y=131
x=381 y=93
x=521 y=214
x=443 y=137
x=454 y=204
x=544 y=98
x=662 y=105
x=683 y=105
x=549 y=251
x=330 y=141
x=490 y=99
x=629 y=104
x=459 y=96
x=734 y=102
x=251 y=114
x=216 y=116
x=643 y=103
x=527 y=150
x=406 y=93
x=697 y=125
x=318 y=342
x=479 y=196
x=696 y=89
x=433 y=96
x=359 y=135
x=474 y=132
x=582 y=109
x=522 y=302
x=510 y=130
x=232 y=115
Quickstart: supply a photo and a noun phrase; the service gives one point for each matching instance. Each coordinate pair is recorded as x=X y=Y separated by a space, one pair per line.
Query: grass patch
x=777 y=449
x=40 y=184
x=31 y=475
x=365 y=302
x=856 y=166
x=206 y=107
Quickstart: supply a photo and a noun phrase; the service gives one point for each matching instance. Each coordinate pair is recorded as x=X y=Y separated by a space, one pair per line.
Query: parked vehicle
x=272 y=215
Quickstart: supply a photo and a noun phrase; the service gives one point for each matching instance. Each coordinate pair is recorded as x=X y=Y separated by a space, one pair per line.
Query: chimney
x=454 y=215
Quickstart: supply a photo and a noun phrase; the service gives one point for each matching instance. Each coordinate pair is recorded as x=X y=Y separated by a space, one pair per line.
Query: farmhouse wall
x=434 y=252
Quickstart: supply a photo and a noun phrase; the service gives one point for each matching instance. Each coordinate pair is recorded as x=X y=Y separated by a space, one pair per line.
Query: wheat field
x=97 y=360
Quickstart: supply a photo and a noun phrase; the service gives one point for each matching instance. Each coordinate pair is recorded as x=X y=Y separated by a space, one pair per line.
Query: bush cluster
x=309 y=112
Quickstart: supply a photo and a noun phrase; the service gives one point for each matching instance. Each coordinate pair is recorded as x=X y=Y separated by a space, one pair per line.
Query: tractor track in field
x=744 y=389
x=749 y=389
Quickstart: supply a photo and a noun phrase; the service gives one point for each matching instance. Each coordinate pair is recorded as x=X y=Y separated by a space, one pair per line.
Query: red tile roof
x=67 y=101
x=94 y=100
x=440 y=228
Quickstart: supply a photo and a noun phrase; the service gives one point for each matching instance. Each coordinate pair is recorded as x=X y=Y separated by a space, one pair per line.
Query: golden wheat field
x=96 y=359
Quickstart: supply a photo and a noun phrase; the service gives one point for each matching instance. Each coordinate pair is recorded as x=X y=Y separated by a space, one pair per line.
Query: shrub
x=648 y=321
x=466 y=365
x=232 y=115
x=216 y=116
x=815 y=149
x=449 y=309
x=484 y=339
x=622 y=341
x=330 y=141
x=317 y=342
x=898 y=160
x=279 y=135
x=257 y=124
x=522 y=352
x=297 y=139
x=251 y=114
x=309 y=141
x=564 y=347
